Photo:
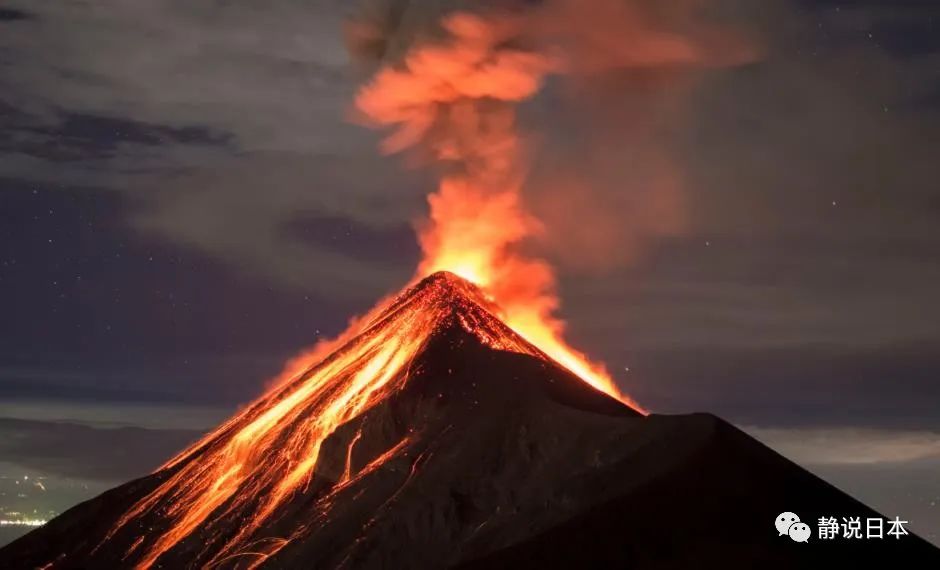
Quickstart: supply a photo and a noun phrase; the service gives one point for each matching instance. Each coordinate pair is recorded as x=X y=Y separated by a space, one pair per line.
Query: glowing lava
x=257 y=461
x=458 y=99
x=472 y=235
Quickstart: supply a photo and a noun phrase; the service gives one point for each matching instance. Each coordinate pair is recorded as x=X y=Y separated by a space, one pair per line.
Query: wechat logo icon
x=789 y=524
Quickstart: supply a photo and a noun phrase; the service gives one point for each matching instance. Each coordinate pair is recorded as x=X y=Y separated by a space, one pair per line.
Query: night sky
x=185 y=203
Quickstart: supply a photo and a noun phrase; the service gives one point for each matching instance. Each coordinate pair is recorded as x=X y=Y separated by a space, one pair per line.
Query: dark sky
x=184 y=203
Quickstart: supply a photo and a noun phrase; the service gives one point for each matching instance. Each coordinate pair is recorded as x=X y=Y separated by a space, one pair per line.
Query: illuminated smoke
x=448 y=94
x=451 y=97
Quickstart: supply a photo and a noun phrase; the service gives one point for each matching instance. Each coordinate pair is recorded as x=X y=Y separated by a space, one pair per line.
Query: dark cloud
x=275 y=84
x=93 y=310
x=848 y=446
x=184 y=204
x=198 y=113
x=85 y=138
x=74 y=450
x=891 y=387
x=809 y=187
x=11 y=15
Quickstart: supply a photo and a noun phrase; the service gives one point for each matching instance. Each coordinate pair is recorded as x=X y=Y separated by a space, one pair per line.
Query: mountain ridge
x=480 y=452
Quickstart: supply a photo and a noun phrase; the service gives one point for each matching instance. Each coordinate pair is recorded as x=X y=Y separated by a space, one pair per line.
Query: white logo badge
x=789 y=524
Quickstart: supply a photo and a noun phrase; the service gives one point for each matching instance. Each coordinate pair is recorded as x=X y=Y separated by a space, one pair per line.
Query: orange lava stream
x=258 y=460
x=271 y=450
x=239 y=475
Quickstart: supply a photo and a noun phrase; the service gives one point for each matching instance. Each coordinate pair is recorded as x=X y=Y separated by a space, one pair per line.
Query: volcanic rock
x=480 y=452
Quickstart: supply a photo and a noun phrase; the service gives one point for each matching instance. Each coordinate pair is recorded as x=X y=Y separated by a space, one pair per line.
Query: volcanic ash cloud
x=449 y=82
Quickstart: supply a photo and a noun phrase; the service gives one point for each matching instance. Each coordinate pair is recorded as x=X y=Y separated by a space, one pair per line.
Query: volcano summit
x=439 y=437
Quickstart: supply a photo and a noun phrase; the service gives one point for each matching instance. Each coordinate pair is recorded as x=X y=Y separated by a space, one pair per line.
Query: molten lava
x=457 y=98
x=254 y=463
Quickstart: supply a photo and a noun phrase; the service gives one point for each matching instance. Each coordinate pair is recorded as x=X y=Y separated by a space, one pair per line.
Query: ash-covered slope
x=474 y=450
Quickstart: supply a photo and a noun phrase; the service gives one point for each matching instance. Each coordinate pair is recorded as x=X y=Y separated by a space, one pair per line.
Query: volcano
x=438 y=437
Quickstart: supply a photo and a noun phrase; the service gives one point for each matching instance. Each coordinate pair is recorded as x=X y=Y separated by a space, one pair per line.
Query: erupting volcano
x=230 y=487
x=437 y=436
x=452 y=425
x=249 y=469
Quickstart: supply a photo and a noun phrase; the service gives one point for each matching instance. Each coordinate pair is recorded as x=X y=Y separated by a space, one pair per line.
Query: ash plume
x=449 y=84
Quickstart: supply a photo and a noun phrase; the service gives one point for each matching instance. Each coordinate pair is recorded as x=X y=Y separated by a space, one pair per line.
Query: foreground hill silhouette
x=468 y=448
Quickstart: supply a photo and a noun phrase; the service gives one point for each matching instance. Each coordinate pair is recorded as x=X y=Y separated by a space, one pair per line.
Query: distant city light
x=27 y=522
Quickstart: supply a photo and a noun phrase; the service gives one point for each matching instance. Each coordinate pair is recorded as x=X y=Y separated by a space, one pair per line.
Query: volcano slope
x=439 y=438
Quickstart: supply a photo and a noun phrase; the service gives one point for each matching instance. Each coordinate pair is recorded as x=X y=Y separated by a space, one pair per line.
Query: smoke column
x=448 y=89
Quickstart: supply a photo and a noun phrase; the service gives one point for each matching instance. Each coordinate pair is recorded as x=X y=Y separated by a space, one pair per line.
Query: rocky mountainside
x=439 y=438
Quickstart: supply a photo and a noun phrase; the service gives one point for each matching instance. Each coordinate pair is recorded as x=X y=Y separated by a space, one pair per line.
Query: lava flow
x=254 y=463
x=456 y=98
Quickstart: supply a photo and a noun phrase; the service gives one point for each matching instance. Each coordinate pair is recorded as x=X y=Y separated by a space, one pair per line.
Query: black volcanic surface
x=512 y=462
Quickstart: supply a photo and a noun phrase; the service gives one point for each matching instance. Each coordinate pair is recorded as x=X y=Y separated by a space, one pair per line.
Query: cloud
x=264 y=73
x=889 y=387
x=269 y=86
x=828 y=115
x=73 y=450
x=850 y=446
x=811 y=197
